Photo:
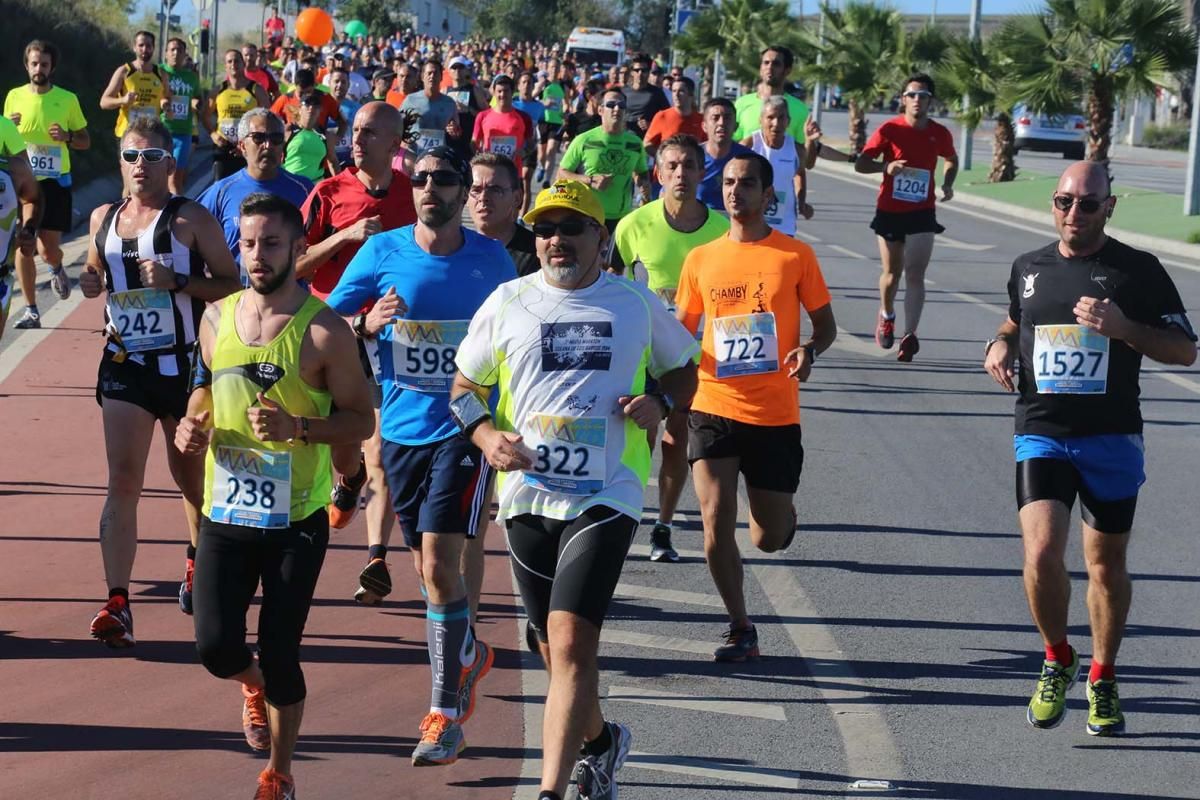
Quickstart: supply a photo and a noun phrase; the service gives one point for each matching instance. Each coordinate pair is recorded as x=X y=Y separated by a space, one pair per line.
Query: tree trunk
x=1004 y=152
x=858 y=127
x=706 y=78
x=1100 y=119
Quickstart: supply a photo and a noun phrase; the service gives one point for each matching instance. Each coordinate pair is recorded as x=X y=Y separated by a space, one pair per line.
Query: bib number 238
x=252 y=487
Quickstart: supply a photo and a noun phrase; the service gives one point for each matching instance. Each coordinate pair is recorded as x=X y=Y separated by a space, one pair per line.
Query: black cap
x=450 y=156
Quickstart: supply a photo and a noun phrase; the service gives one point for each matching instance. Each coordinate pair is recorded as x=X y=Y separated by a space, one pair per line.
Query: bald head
x=377 y=132
x=387 y=118
x=1085 y=178
x=1082 y=205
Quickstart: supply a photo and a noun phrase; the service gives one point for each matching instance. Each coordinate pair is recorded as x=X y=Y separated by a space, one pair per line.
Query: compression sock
x=119 y=592
x=376 y=551
x=466 y=656
x=1060 y=653
x=1102 y=672
x=447 y=628
x=600 y=745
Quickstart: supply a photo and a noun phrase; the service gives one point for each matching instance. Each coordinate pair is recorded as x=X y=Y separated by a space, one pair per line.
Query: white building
x=428 y=17
x=438 y=18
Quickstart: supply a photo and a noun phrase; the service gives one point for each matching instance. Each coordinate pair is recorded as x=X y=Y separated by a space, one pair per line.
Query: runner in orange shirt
x=750 y=286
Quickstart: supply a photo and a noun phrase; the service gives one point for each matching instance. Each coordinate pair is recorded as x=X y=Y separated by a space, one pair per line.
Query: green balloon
x=356 y=28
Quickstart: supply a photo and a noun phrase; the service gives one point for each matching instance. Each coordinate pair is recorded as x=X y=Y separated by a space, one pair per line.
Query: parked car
x=1066 y=134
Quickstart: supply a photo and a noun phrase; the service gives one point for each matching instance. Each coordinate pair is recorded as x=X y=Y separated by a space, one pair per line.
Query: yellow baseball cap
x=571 y=195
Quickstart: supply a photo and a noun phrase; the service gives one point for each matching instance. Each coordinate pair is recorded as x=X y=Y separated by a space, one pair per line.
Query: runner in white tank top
x=773 y=142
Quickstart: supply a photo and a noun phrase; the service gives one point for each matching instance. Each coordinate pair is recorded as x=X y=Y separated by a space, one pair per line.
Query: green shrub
x=1167 y=137
x=1194 y=237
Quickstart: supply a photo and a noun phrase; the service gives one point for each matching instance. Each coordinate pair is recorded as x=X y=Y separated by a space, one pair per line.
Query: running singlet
x=554 y=98
x=10 y=216
x=232 y=104
x=503 y=133
x=416 y=353
x=306 y=153
x=621 y=155
x=912 y=188
x=49 y=159
x=185 y=85
x=644 y=237
x=535 y=110
x=750 y=294
x=149 y=323
x=1072 y=380
x=748 y=108
x=781 y=213
x=248 y=481
x=150 y=88
x=560 y=360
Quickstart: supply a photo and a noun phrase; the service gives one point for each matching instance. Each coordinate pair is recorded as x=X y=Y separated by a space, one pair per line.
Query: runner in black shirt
x=1083 y=311
x=642 y=99
x=495 y=200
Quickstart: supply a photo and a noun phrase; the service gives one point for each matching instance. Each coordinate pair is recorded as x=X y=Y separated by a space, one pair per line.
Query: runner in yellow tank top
x=138 y=88
x=273 y=364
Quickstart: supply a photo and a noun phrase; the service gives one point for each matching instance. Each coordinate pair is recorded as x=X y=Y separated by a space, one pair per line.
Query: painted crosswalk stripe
x=698 y=767
x=652 y=696
x=676 y=644
x=669 y=595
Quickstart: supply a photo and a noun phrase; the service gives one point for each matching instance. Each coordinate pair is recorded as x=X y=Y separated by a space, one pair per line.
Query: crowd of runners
x=318 y=333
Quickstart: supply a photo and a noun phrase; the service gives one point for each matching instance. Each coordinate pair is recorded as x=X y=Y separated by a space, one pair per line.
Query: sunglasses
x=262 y=137
x=151 y=155
x=638 y=69
x=918 y=93
x=613 y=104
x=1088 y=205
x=440 y=177
x=567 y=227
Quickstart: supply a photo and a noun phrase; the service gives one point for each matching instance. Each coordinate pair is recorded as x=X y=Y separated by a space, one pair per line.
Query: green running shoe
x=1104 y=709
x=1049 y=701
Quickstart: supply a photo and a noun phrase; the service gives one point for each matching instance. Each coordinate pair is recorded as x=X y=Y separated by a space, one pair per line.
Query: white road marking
x=808 y=237
x=945 y=240
x=649 y=695
x=676 y=644
x=849 y=342
x=24 y=341
x=697 y=767
x=644 y=550
x=846 y=251
x=534 y=685
x=669 y=595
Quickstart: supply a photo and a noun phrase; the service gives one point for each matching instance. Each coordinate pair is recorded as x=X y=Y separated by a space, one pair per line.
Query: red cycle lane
x=80 y=721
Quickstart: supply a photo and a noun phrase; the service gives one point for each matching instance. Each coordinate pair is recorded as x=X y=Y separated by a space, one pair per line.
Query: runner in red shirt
x=505 y=130
x=681 y=117
x=257 y=72
x=905 y=222
x=341 y=213
x=287 y=106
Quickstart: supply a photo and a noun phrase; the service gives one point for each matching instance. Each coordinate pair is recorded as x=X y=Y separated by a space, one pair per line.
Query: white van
x=602 y=46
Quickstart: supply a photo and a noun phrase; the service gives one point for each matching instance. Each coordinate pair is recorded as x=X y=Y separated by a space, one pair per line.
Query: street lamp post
x=966 y=134
x=1191 y=191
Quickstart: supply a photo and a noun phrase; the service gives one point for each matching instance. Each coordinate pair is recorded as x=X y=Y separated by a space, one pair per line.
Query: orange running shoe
x=343 y=500
x=113 y=624
x=274 y=785
x=470 y=680
x=254 y=718
x=441 y=741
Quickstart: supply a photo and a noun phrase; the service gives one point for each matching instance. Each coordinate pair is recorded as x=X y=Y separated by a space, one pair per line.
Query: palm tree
x=866 y=52
x=1096 y=50
x=976 y=68
x=740 y=30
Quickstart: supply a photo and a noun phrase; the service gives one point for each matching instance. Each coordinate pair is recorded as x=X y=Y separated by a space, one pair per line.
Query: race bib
x=46 y=159
x=428 y=137
x=911 y=185
x=179 y=109
x=228 y=128
x=1070 y=359
x=144 y=319
x=503 y=146
x=423 y=353
x=568 y=453
x=774 y=213
x=252 y=487
x=746 y=344
x=347 y=140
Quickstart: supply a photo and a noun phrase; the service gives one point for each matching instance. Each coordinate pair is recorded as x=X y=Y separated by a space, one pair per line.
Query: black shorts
x=895 y=227
x=1055 y=479
x=57 y=215
x=772 y=456
x=556 y=130
x=572 y=565
x=543 y=130
x=436 y=488
x=164 y=396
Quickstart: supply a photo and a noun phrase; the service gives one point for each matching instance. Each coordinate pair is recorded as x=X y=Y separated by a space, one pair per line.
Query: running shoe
x=531 y=639
x=471 y=676
x=185 y=588
x=594 y=777
x=909 y=347
x=660 y=544
x=741 y=644
x=1049 y=701
x=274 y=785
x=60 y=283
x=254 y=718
x=441 y=741
x=30 y=319
x=113 y=625
x=885 y=333
x=374 y=583
x=1104 y=709
x=541 y=174
x=546 y=182
x=343 y=502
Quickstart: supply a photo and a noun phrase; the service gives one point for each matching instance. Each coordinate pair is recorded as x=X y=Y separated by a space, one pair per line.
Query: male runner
x=435 y=109
x=569 y=348
x=272 y=365
x=149 y=253
x=495 y=202
x=719 y=148
x=20 y=209
x=258 y=72
x=555 y=95
x=774 y=143
x=750 y=287
x=427 y=280
x=260 y=140
x=503 y=129
x=905 y=222
x=644 y=100
x=681 y=117
x=339 y=216
x=654 y=240
x=137 y=89
x=287 y=106
x=180 y=112
x=525 y=101
x=1083 y=312
x=51 y=123
x=236 y=96
x=775 y=63
x=339 y=88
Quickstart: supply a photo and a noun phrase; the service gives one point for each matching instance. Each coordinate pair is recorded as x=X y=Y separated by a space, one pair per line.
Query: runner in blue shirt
x=720 y=120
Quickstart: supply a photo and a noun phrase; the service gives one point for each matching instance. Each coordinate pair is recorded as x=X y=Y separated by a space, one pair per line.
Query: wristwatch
x=181 y=281
x=360 y=326
x=987 y=347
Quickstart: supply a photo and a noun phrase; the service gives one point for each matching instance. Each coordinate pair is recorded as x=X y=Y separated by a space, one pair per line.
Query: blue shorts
x=181 y=148
x=1111 y=466
x=436 y=488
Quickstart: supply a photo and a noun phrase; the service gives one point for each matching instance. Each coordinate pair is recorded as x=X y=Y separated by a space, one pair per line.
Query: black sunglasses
x=262 y=137
x=440 y=177
x=1088 y=205
x=572 y=226
x=151 y=155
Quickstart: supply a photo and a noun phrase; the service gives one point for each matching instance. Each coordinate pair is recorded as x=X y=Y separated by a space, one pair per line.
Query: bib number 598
x=430 y=360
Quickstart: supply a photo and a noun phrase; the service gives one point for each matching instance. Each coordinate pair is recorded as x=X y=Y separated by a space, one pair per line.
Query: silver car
x=1050 y=133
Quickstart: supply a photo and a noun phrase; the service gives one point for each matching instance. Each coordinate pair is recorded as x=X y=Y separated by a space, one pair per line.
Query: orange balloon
x=314 y=27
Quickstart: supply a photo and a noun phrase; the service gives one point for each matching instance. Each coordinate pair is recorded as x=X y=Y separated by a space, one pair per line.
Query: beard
x=277 y=280
x=38 y=79
x=437 y=216
x=565 y=273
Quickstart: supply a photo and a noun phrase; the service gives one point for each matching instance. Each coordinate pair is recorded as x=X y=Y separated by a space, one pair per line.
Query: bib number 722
x=250 y=493
x=1071 y=364
x=558 y=460
x=743 y=348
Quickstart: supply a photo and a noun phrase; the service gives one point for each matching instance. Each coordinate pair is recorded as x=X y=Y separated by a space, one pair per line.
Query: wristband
x=468 y=411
